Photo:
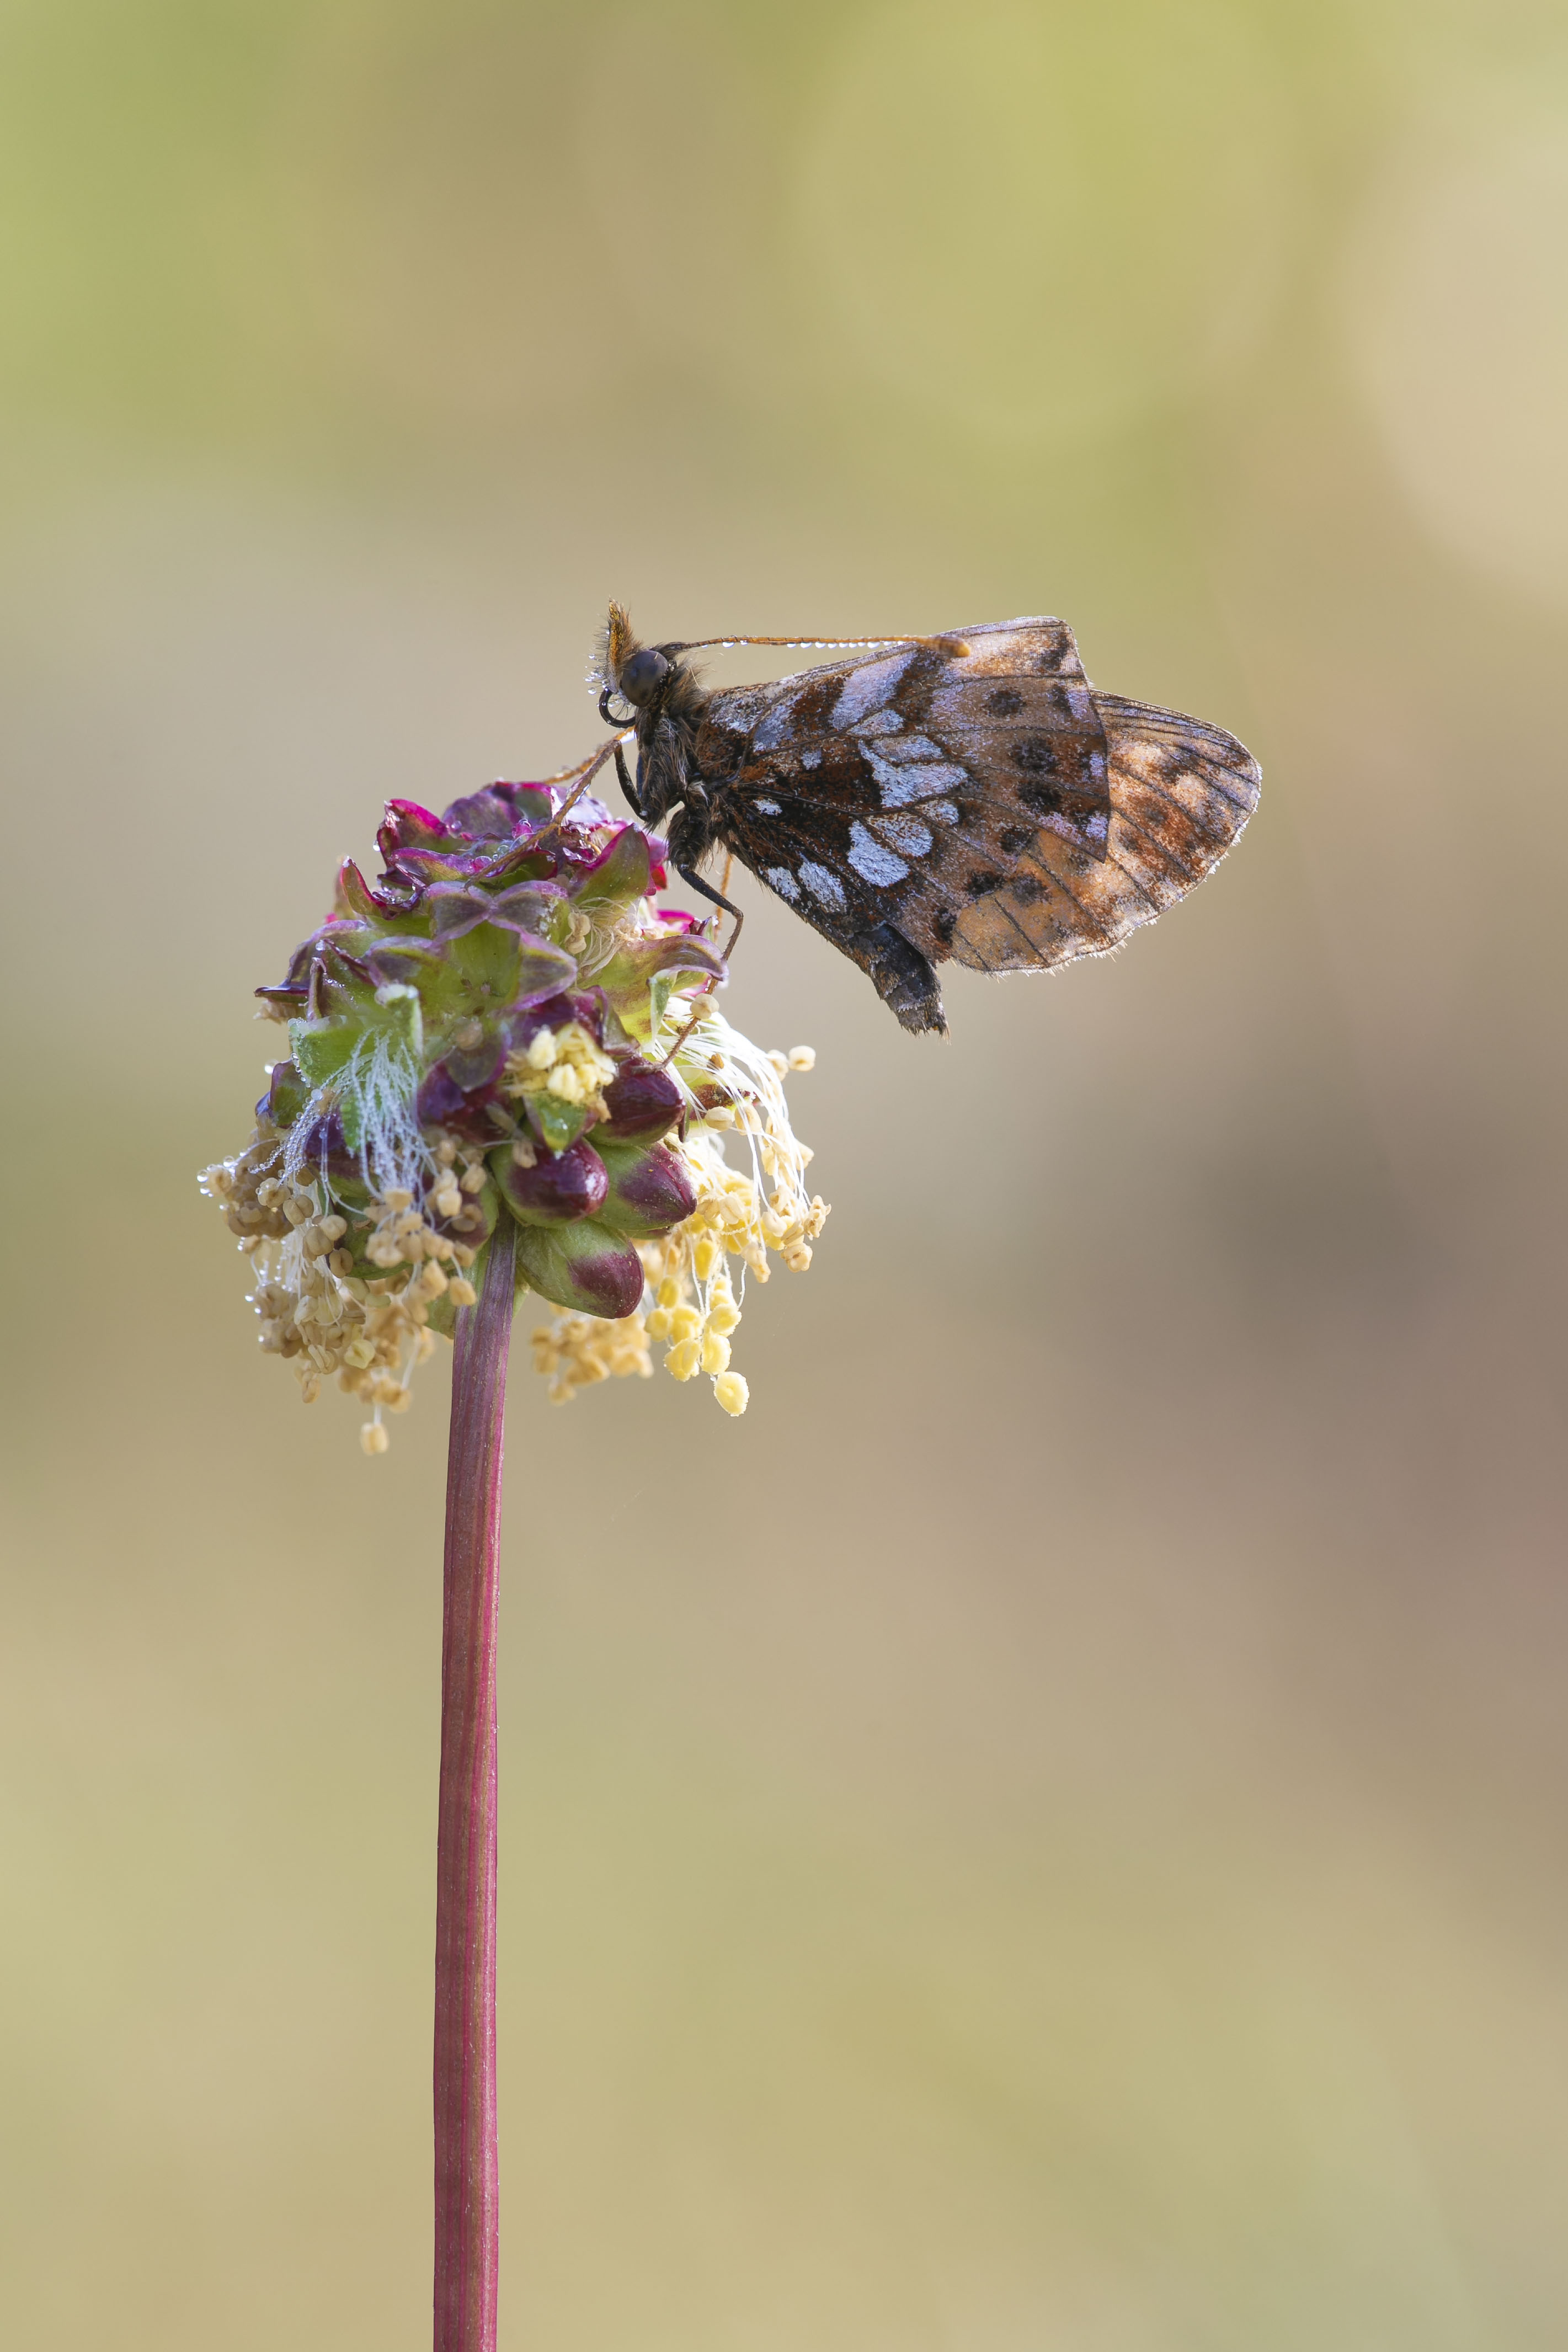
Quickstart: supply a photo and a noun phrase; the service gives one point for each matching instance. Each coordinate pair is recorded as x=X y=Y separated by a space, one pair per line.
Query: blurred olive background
x=1050 y=1836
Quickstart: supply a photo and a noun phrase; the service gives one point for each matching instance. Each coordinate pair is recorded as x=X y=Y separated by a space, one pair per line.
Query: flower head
x=508 y=1024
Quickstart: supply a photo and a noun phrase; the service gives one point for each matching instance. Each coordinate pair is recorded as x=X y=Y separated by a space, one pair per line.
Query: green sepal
x=321 y=1052
x=622 y=878
x=404 y=1016
x=559 y=1123
x=486 y=959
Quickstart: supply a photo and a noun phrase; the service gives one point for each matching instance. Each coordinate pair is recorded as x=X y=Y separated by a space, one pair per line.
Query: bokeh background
x=1050 y=1836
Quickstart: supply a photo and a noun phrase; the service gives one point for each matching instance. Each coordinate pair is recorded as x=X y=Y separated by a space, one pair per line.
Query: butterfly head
x=648 y=680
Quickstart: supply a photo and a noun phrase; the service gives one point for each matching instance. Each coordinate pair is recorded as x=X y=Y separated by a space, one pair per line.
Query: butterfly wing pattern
x=974 y=795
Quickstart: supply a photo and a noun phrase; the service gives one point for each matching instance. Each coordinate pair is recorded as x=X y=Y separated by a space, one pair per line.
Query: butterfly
x=968 y=796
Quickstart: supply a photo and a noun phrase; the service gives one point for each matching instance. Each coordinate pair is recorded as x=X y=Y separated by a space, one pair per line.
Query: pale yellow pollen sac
x=446 y=1151
x=802 y=1058
x=715 y=1353
x=309 y=1388
x=447 y=1200
x=681 y=1364
x=540 y=1050
x=731 y=1392
x=576 y=1352
x=462 y=1293
x=374 y=1437
x=473 y=1177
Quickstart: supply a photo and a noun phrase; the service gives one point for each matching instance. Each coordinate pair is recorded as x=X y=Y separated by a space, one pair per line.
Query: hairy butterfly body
x=968 y=797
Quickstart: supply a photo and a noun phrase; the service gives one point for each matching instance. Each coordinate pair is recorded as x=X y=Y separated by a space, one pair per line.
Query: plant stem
x=466 y=2182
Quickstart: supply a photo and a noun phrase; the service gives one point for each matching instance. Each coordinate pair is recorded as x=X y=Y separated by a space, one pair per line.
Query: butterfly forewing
x=908 y=787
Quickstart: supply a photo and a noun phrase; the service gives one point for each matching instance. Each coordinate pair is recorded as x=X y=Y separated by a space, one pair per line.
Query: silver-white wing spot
x=882 y=722
x=906 y=832
x=775 y=726
x=908 y=747
x=869 y=685
x=811 y=759
x=767 y=808
x=780 y=879
x=824 y=886
x=872 y=862
x=917 y=781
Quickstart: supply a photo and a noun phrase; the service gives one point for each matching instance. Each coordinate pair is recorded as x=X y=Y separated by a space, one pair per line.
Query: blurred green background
x=1049 y=1835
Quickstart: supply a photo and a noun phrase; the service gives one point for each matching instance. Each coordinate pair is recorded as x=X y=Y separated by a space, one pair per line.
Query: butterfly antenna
x=946 y=645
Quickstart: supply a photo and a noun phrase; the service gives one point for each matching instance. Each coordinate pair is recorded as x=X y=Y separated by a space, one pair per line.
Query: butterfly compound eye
x=640 y=676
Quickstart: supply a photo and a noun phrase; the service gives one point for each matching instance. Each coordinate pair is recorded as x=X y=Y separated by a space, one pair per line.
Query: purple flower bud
x=486 y=816
x=554 y=1013
x=558 y=1189
x=324 y=1149
x=475 y=1061
x=642 y=1102
x=581 y=1268
x=442 y=1101
x=650 y=1192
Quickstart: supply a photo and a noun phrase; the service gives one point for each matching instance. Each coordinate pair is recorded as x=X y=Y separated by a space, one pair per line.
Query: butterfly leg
x=690 y=876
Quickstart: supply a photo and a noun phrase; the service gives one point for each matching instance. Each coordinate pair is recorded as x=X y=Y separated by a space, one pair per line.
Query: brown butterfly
x=969 y=796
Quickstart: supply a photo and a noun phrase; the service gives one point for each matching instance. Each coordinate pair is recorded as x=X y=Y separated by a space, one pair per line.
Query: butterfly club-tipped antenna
x=947 y=643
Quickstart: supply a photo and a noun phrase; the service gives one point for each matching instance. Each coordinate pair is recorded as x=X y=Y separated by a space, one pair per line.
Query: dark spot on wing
x=943 y=924
x=1005 y=702
x=1046 y=798
x=1061 y=700
x=1025 y=890
x=979 y=884
x=1036 y=754
x=1015 y=837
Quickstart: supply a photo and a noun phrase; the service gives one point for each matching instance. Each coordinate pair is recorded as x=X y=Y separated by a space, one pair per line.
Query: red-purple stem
x=466 y=2183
